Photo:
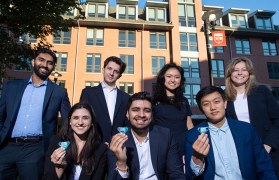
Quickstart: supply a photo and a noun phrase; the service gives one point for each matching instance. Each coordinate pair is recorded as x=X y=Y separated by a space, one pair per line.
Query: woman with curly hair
x=253 y=103
x=171 y=108
x=85 y=158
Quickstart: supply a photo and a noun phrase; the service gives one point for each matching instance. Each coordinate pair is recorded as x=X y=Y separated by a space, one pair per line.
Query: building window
x=127 y=38
x=190 y=93
x=275 y=92
x=238 y=21
x=157 y=63
x=96 y=10
x=273 y=70
x=264 y=23
x=242 y=46
x=28 y=64
x=27 y=38
x=91 y=83
x=157 y=14
x=158 y=40
x=191 y=67
x=61 y=83
x=61 y=64
x=127 y=12
x=217 y=68
x=127 y=87
x=129 y=60
x=269 y=48
x=215 y=49
x=93 y=63
x=186 y=15
x=62 y=37
x=95 y=37
x=188 y=42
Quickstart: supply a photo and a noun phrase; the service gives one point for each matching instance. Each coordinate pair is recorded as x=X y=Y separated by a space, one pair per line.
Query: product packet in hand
x=64 y=144
x=122 y=130
x=203 y=129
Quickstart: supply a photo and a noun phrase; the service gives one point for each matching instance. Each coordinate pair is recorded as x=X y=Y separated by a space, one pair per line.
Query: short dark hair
x=116 y=60
x=209 y=90
x=139 y=96
x=47 y=51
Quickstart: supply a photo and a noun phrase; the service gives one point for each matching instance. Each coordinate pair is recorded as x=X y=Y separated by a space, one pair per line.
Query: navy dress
x=168 y=115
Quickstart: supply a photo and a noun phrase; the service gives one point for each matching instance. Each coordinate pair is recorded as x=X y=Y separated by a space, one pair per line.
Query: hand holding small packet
x=64 y=145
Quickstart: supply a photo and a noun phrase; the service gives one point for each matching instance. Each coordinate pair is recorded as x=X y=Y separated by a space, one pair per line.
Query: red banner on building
x=218 y=38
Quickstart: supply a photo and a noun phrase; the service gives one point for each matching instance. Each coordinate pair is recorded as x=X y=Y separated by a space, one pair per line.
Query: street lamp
x=209 y=18
x=56 y=75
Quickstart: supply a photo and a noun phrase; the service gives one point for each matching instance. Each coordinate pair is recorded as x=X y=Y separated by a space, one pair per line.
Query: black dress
x=168 y=115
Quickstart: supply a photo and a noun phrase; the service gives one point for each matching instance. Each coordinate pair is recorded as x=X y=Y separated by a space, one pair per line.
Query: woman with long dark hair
x=85 y=157
x=171 y=108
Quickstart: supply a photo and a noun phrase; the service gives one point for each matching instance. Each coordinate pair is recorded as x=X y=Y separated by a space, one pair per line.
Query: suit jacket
x=95 y=96
x=264 y=114
x=166 y=161
x=55 y=100
x=254 y=162
x=98 y=173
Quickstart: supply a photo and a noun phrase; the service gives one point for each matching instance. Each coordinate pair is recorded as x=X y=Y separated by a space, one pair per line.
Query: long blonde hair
x=251 y=82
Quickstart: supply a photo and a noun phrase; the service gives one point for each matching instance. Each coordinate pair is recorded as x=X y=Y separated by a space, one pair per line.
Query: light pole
x=56 y=75
x=209 y=18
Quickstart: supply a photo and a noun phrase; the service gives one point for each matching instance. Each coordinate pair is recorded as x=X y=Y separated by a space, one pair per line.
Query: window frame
x=158 y=61
x=62 y=37
x=242 y=49
x=128 y=59
x=126 y=42
x=93 y=67
x=95 y=41
x=220 y=72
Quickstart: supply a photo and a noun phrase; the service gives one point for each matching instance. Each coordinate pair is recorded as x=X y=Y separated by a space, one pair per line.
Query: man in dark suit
x=28 y=118
x=147 y=151
x=229 y=150
x=109 y=103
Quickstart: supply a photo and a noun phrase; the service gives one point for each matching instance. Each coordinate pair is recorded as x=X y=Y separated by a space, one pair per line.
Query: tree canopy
x=32 y=17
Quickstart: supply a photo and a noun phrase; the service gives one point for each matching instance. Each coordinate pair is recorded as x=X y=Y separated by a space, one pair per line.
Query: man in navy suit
x=147 y=151
x=223 y=148
x=109 y=103
x=28 y=118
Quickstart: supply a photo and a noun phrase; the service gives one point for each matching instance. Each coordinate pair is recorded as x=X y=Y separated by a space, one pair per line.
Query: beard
x=42 y=76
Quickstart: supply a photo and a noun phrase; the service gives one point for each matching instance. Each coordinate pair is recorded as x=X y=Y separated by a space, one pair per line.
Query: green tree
x=34 y=17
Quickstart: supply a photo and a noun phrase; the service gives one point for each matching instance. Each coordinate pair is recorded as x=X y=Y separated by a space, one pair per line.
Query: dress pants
x=23 y=160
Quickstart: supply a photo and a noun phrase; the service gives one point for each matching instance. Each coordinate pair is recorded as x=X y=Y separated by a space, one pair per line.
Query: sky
x=271 y=5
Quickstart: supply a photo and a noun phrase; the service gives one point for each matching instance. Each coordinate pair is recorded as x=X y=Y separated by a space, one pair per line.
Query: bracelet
x=120 y=169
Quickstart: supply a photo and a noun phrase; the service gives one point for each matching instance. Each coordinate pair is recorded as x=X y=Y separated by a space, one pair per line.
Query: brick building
x=161 y=32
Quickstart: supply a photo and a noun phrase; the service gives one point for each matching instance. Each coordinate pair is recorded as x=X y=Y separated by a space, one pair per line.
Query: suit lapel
x=154 y=143
x=238 y=144
x=251 y=103
x=102 y=100
x=49 y=90
x=118 y=102
x=132 y=156
x=19 y=94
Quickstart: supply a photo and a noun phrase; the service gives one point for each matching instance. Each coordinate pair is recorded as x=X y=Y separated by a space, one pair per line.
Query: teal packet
x=122 y=130
x=64 y=144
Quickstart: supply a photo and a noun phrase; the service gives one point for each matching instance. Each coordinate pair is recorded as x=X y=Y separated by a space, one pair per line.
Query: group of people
x=161 y=141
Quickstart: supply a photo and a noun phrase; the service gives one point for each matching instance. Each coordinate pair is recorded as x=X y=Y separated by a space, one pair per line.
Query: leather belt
x=28 y=139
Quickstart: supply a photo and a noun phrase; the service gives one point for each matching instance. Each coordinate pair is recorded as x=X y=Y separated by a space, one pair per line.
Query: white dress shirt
x=110 y=96
x=146 y=170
